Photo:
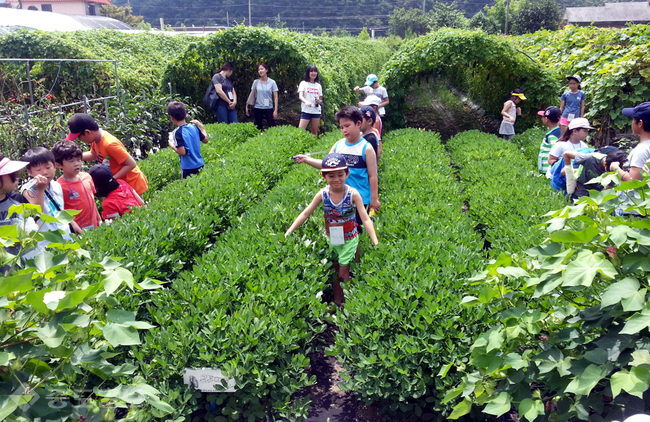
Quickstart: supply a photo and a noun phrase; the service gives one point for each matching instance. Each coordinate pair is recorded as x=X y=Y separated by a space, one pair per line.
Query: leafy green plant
x=260 y=293
x=505 y=195
x=163 y=167
x=60 y=332
x=287 y=54
x=571 y=340
x=485 y=66
x=611 y=61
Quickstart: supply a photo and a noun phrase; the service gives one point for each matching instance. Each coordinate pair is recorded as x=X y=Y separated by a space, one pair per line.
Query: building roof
x=13 y=19
x=611 y=13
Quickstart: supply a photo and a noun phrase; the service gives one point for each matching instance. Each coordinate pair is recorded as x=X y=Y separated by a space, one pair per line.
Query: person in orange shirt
x=104 y=146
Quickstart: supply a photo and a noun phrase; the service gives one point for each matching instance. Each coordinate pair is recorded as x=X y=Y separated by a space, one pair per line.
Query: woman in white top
x=572 y=139
x=266 y=98
x=310 y=93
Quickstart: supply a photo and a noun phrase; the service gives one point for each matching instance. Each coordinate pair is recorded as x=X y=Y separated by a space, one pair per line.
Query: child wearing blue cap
x=372 y=87
x=638 y=157
x=341 y=203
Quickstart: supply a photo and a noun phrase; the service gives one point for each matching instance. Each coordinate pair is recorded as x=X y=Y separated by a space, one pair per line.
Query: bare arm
x=506 y=107
x=365 y=219
x=634 y=173
x=128 y=165
x=302 y=99
x=88 y=156
x=552 y=159
x=371 y=163
x=384 y=103
x=358 y=89
x=305 y=214
x=75 y=228
x=582 y=108
x=37 y=198
x=568 y=156
x=317 y=164
x=562 y=104
x=275 y=101
x=177 y=150
x=221 y=93
x=202 y=129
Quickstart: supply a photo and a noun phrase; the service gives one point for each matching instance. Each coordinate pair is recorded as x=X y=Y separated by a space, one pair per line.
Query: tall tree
x=124 y=14
x=412 y=21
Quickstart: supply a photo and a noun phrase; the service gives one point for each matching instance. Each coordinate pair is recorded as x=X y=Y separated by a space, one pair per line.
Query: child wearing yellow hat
x=510 y=112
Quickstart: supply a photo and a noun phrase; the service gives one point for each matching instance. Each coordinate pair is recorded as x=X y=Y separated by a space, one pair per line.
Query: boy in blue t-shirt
x=186 y=139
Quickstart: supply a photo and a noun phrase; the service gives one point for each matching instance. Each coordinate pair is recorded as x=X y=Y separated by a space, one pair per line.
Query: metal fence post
x=171 y=94
x=108 y=121
x=26 y=115
x=85 y=104
x=29 y=81
x=124 y=101
x=144 y=95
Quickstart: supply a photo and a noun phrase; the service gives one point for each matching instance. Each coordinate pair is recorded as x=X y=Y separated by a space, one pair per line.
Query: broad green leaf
x=640 y=357
x=461 y=409
x=498 y=405
x=582 y=270
x=52 y=334
x=598 y=356
x=113 y=278
x=452 y=394
x=619 y=234
x=529 y=409
x=635 y=262
x=573 y=236
x=119 y=316
x=8 y=404
x=512 y=271
x=634 y=302
x=636 y=323
x=470 y=301
x=618 y=291
x=495 y=338
x=634 y=382
x=149 y=284
x=46 y=261
x=17 y=283
x=119 y=335
x=5 y=358
x=584 y=383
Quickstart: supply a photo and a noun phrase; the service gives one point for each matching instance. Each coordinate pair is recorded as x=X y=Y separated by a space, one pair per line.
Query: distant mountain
x=329 y=15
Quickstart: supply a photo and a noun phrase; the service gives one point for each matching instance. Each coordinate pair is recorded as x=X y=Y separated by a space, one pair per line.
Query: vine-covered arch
x=485 y=66
x=343 y=63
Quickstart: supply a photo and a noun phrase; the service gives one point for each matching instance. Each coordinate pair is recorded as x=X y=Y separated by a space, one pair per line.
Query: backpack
x=558 y=180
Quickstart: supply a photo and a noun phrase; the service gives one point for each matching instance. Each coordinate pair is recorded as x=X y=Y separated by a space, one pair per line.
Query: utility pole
x=423 y=6
x=250 y=21
x=227 y=19
x=507 y=11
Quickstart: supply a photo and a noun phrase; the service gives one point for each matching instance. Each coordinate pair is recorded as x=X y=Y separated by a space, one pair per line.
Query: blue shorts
x=309 y=116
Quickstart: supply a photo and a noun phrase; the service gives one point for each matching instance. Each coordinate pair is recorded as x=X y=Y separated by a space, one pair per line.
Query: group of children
x=115 y=177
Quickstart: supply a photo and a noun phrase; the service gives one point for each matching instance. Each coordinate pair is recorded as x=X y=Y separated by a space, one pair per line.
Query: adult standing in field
x=310 y=93
x=572 y=102
x=264 y=98
x=372 y=87
x=227 y=101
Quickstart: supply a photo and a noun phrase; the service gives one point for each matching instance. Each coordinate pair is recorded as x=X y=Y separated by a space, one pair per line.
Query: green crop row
x=506 y=195
x=180 y=221
x=163 y=167
x=402 y=322
x=249 y=306
x=529 y=143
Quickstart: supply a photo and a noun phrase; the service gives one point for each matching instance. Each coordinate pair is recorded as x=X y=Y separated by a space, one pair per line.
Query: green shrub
x=163 y=167
x=612 y=62
x=506 y=195
x=287 y=53
x=181 y=220
x=529 y=142
x=571 y=338
x=485 y=66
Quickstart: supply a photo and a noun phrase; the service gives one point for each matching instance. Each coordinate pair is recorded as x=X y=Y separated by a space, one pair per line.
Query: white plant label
x=204 y=379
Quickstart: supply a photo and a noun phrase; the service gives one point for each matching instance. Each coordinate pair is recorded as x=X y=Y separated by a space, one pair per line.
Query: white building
x=67 y=7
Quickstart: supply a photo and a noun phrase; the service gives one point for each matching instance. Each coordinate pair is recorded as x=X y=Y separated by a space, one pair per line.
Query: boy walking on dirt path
x=360 y=158
x=106 y=147
x=341 y=203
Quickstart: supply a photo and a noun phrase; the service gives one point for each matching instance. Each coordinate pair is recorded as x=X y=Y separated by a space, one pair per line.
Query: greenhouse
x=11 y=20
